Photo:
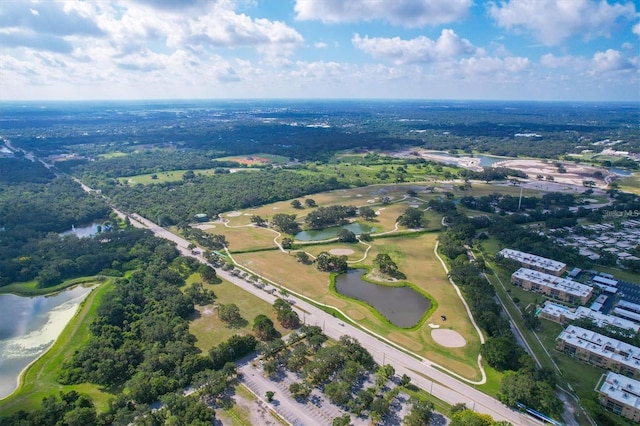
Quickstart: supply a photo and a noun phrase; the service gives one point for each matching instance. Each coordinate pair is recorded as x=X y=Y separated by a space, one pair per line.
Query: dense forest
x=176 y=202
x=315 y=130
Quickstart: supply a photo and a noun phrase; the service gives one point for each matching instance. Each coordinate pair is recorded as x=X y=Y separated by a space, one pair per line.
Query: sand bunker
x=341 y=252
x=448 y=338
x=203 y=226
x=234 y=214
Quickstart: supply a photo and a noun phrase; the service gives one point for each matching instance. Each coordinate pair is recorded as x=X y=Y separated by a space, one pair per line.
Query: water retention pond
x=402 y=306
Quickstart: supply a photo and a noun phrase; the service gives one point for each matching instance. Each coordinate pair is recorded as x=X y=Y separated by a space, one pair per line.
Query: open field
x=246 y=237
x=414 y=256
x=39 y=380
x=210 y=331
x=256 y=159
x=365 y=196
x=171 y=176
x=631 y=183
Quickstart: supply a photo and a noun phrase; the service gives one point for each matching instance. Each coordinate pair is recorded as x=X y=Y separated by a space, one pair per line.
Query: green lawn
x=39 y=380
x=210 y=331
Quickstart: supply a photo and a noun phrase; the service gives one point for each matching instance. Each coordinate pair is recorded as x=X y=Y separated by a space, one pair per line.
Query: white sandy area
x=203 y=226
x=234 y=214
x=575 y=173
x=448 y=338
x=341 y=252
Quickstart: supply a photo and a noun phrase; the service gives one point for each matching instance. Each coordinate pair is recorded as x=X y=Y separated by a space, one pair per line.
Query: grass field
x=415 y=257
x=39 y=380
x=246 y=237
x=210 y=331
x=256 y=159
x=171 y=176
x=631 y=183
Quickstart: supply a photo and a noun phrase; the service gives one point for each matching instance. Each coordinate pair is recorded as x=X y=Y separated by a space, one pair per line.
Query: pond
x=332 y=232
x=621 y=172
x=402 y=306
x=28 y=327
x=83 y=231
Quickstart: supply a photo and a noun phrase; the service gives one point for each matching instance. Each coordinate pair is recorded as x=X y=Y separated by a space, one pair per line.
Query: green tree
x=269 y=396
x=420 y=414
x=230 y=314
x=366 y=212
x=263 y=328
x=346 y=236
x=412 y=218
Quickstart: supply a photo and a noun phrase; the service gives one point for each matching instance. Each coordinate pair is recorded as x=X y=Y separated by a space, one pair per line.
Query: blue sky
x=425 y=49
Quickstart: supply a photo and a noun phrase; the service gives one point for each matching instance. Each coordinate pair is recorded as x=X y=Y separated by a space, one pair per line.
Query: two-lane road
x=423 y=374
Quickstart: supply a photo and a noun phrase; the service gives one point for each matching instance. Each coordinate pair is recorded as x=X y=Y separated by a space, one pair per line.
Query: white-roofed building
x=537 y=263
x=564 y=314
x=552 y=286
x=599 y=350
x=621 y=395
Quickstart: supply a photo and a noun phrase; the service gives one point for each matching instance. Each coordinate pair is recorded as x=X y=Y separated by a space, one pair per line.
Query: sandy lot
x=234 y=214
x=448 y=338
x=341 y=252
x=575 y=173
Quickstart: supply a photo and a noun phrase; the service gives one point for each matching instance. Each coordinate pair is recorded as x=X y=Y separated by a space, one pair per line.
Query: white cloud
x=417 y=50
x=553 y=21
x=409 y=13
x=610 y=60
x=320 y=45
x=636 y=29
x=493 y=66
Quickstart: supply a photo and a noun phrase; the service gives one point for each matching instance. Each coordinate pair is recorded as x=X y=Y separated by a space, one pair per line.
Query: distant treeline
x=175 y=202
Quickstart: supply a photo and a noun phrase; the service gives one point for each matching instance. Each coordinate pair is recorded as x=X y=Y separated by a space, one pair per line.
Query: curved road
x=422 y=372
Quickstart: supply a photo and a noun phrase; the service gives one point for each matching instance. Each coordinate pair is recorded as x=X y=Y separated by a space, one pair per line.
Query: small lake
x=332 y=232
x=620 y=172
x=402 y=306
x=28 y=327
x=83 y=231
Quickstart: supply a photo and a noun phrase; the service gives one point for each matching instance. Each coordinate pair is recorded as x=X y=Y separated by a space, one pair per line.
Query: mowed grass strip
x=210 y=331
x=39 y=380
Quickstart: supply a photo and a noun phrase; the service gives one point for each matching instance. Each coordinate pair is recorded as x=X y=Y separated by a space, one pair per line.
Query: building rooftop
x=561 y=284
x=622 y=389
x=623 y=353
x=533 y=260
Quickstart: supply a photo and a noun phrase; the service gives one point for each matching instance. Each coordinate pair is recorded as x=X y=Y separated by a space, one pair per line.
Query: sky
x=567 y=50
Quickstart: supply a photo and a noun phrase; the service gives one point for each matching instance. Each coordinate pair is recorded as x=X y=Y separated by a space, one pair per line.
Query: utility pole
x=520 y=200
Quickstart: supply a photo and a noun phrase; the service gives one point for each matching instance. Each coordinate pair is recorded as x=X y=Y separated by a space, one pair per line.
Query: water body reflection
x=402 y=306
x=28 y=327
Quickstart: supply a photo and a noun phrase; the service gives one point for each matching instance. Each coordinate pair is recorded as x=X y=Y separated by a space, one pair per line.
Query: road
x=422 y=372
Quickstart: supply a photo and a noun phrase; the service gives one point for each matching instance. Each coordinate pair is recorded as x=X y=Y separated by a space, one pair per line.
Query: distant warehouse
x=537 y=263
x=552 y=286
x=600 y=350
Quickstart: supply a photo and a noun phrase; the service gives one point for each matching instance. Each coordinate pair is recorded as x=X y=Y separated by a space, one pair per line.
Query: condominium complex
x=564 y=314
x=621 y=395
x=558 y=288
x=600 y=351
x=537 y=263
